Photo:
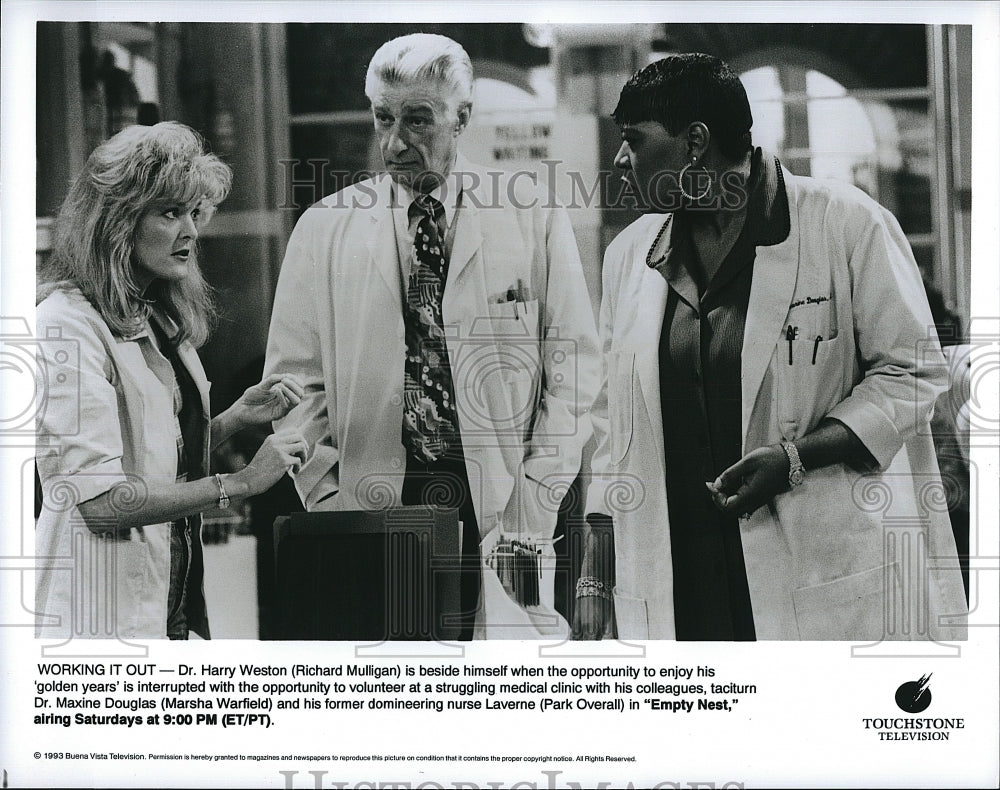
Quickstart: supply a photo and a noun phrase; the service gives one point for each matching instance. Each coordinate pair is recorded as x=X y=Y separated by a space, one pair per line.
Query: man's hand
x=751 y=482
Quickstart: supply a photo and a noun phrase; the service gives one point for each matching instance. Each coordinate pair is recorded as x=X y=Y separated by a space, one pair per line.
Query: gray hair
x=421 y=56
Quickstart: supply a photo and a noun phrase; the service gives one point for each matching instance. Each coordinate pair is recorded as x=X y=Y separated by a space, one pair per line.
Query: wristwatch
x=796 y=471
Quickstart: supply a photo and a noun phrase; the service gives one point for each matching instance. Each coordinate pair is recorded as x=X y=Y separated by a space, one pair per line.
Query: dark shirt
x=700 y=391
x=183 y=559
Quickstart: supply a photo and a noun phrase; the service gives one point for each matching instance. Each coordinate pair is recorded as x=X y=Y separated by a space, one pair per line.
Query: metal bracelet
x=592 y=587
x=593 y=594
x=223 y=496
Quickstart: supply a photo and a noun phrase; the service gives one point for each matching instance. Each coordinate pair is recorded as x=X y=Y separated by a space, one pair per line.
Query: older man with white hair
x=439 y=319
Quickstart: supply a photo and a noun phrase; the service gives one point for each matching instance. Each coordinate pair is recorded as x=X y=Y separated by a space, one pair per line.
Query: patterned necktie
x=429 y=420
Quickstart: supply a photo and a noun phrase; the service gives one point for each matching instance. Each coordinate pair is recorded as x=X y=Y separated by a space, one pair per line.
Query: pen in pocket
x=790 y=334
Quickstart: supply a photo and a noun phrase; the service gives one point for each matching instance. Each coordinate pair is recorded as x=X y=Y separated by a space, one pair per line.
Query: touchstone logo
x=914 y=696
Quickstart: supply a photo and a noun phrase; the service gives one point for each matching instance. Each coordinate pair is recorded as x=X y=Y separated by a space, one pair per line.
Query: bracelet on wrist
x=224 y=501
x=592 y=587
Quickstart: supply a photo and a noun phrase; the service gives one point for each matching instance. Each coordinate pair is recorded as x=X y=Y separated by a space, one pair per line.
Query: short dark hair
x=682 y=89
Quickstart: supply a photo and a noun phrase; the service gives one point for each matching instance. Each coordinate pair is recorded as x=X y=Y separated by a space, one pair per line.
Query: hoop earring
x=684 y=193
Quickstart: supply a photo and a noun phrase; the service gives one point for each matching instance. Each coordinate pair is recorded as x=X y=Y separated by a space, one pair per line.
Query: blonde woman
x=125 y=429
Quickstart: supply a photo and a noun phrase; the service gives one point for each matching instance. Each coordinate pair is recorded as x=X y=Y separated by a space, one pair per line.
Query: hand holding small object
x=751 y=482
x=279 y=453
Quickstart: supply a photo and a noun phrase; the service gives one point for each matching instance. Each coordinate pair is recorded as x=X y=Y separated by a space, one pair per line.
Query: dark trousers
x=444 y=483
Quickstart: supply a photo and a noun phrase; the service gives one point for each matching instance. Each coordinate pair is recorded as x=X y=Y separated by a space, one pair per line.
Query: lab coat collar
x=469 y=232
x=468 y=236
x=770 y=295
x=767 y=214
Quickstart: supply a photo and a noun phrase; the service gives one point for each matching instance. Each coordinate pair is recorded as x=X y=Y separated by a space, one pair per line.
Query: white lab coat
x=525 y=373
x=845 y=555
x=106 y=423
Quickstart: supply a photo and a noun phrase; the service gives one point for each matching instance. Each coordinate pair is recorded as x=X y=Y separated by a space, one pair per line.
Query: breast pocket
x=621 y=394
x=514 y=319
x=808 y=376
x=513 y=330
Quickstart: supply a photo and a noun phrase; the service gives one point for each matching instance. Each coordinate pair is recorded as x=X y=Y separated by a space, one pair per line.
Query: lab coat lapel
x=468 y=237
x=650 y=290
x=775 y=273
x=381 y=236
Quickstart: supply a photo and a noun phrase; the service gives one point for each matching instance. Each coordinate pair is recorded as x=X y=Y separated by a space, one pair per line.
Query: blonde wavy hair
x=138 y=170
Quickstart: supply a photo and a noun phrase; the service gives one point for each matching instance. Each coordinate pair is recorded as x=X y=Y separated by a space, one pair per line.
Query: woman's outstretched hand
x=279 y=453
x=269 y=400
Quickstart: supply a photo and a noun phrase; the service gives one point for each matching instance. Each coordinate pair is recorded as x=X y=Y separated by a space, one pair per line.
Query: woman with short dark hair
x=770 y=357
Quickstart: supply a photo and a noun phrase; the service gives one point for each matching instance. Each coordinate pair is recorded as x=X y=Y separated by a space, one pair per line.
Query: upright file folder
x=368 y=576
